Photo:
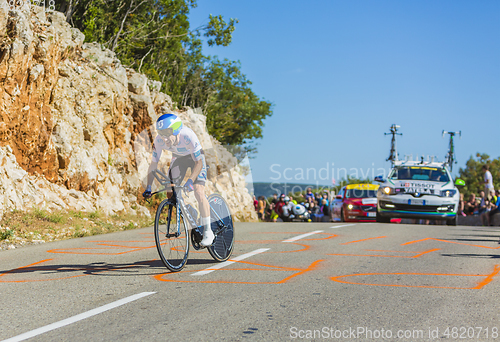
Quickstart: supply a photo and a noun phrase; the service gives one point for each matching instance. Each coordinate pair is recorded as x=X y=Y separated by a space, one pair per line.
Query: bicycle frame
x=177 y=199
x=170 y=238
x=450 y=157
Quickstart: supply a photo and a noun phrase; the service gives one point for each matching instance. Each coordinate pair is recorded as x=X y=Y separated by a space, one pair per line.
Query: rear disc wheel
x=222 y=247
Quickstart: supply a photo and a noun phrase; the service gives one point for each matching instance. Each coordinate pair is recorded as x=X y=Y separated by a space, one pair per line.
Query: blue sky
x=339 y=73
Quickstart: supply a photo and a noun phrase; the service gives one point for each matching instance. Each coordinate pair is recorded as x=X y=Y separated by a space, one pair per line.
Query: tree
x=154 y=37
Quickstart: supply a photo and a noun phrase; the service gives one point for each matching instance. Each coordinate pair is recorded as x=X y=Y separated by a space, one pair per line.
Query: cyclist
x=186 y=153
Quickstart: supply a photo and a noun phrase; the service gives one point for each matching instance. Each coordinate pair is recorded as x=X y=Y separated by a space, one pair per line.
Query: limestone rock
x=75 y=123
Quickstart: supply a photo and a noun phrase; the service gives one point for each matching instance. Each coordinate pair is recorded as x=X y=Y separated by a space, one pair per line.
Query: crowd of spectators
x=279 y=207
x=485 y=205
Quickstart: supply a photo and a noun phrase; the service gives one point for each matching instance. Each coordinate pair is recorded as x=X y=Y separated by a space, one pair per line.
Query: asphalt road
x=313 y=281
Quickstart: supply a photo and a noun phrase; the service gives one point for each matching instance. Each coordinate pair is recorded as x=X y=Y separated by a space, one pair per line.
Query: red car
x=355 y=202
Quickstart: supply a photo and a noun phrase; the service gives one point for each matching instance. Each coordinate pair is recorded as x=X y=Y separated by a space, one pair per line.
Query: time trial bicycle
x=176 y=223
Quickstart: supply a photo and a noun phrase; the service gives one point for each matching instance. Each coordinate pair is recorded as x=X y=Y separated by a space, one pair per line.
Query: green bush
x=6 y=234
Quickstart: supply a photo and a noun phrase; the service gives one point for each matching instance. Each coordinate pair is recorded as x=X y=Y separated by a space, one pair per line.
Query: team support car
x=418 y=190
x=355 y=202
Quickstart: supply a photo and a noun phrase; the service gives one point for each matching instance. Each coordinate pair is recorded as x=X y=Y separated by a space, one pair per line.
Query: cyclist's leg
x=204 y=206
x=175 y=173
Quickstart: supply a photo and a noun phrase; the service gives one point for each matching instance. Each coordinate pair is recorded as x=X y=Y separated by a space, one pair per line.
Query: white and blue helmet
x=168 y=124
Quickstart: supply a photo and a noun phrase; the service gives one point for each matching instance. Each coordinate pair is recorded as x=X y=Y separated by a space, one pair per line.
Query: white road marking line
x=230 y=261
x=344 y=225
x=302 y=236
x=77 y=318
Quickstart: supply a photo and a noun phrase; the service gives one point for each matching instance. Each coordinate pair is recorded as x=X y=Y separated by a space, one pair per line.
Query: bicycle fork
x=177 y=233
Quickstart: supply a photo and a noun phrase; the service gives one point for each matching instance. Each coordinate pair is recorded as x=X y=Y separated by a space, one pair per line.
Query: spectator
x=292 y=200
x=274 y=202
x=470 y=205
x=494 y=196
x=461 y=206
x=325 y=197
x=490 y=206
x=320 y=211
x=278 y=209
x=317 y=198
x=312 y=210
x=325 y=209
x=488 y=181
x=287 y=210
x=269 y=211
x=495 y=209
x=261 y=208
x=483 y=203
x=255 y=203
x=309 y=195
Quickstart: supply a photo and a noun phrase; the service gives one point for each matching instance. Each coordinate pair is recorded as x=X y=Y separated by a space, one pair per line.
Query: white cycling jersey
x=188 y=145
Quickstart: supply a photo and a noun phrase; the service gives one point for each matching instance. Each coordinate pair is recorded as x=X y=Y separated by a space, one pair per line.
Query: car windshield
x=358 y=193
x=420 y=173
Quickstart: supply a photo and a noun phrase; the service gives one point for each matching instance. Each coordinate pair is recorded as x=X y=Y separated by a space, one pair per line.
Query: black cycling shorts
x=180 y=165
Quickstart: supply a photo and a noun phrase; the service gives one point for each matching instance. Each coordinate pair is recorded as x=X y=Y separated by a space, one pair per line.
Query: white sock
x=208 y=235
x=205 y=222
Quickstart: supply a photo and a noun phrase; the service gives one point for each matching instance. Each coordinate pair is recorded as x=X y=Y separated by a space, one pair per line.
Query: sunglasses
x=166 y=132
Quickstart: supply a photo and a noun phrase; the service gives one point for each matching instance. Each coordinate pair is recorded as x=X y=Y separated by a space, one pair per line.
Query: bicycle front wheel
x=171 y=236
x=222 y=226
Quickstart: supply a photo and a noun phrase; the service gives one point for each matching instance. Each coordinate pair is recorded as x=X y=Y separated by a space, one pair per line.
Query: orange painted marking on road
x=284 y=268
x=378 y=237
x=425 y=252
x=489 y=278
x=331 y=236
x=311 y=267
x=448 y=241
x=160 y=277
x=286 y=233
x=419 y=254
x=305 y=248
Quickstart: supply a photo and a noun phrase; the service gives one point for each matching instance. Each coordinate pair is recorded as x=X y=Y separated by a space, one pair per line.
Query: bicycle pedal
x=196 y=238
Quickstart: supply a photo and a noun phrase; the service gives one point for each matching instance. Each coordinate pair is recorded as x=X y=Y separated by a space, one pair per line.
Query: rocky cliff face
x=72 y=122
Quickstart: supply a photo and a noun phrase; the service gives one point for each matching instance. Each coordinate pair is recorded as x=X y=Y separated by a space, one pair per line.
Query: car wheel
x=342 y=218
x=453 y=221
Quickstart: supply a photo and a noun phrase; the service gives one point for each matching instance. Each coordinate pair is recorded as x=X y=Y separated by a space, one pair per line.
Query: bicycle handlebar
x=165 y=182
x=166 y=188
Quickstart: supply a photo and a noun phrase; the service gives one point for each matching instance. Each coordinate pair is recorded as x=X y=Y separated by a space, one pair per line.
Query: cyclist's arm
x=157 y=151
x=151 y=177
